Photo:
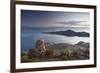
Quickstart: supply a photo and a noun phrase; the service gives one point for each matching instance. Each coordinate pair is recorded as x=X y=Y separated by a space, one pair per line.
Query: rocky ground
x=58 y=52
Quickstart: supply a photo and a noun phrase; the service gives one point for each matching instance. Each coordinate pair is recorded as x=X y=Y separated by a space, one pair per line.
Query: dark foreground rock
x=59 y=52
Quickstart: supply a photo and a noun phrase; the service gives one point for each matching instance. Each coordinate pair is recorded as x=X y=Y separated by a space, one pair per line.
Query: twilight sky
x=32 y=18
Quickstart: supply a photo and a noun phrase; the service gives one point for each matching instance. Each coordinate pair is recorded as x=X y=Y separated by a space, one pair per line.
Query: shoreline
x=59 y=52
x=52 y=43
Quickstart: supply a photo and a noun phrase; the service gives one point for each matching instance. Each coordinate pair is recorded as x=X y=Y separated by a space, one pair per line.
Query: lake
x=29 y=36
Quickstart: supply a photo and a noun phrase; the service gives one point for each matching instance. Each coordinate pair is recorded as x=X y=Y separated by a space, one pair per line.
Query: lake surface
x=29 y=36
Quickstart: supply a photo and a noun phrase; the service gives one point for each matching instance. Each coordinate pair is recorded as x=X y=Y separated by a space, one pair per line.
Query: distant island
x=70 y=33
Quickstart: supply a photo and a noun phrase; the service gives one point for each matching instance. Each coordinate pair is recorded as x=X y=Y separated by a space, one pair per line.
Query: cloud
x=74 y=23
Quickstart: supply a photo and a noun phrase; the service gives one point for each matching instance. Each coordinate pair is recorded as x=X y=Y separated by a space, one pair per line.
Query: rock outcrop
x=40 y=47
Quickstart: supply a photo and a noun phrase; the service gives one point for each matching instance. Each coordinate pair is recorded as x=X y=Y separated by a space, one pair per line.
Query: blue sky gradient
x=33 y=18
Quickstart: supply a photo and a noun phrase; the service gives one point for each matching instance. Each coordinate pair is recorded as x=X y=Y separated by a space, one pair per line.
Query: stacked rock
x=40 y=47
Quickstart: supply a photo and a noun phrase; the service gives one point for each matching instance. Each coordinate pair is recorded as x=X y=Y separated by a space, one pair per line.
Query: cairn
x=40 y=48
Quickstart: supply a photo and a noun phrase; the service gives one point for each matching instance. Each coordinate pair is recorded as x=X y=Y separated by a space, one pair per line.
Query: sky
x=33 y=18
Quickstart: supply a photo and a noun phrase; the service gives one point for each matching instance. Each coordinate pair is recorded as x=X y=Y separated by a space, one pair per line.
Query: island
x=70 y=33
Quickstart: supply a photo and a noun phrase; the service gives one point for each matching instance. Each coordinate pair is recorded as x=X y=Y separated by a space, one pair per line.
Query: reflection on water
x=29 y=37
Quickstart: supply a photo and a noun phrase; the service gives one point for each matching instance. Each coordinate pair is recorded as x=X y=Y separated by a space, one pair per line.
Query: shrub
x=64 y=54
x=86 y=53
x=23 y=54
x=50 y=53
x=64 y=57
x=24 y=58
x=75 y=53
x=31 y=53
